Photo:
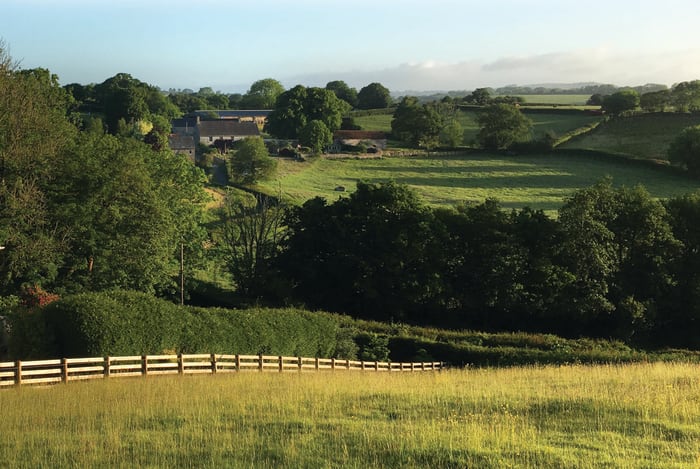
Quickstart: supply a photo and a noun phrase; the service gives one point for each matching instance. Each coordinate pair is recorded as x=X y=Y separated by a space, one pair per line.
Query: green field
x=644 y=136
x=542 y=123
x=541 y=182
x=544 y=417
x=557 y=99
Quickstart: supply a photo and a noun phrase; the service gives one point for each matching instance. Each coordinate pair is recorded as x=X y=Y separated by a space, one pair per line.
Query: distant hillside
x=644 y=136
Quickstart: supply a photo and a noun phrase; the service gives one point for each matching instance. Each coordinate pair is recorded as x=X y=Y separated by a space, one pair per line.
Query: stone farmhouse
x=218 y=132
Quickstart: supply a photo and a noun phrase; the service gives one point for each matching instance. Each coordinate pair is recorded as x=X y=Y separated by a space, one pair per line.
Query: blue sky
x=404 y=44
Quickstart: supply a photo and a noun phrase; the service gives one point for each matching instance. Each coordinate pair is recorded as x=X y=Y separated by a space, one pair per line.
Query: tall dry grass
x=575 y=417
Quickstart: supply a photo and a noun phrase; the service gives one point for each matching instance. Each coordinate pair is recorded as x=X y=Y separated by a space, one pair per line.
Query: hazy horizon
x=443 y=45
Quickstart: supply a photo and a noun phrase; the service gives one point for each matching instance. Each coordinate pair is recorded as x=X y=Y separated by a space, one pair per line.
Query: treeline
x=615 y=263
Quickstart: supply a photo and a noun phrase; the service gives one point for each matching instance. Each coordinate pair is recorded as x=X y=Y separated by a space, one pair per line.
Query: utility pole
x=182 y=273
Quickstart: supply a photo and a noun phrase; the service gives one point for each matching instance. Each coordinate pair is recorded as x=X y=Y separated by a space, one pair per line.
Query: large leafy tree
x=299 y=105
x=343 y=91
x=374 y=96
x=128 y=209
x=251 y=162
x=315 y=135
x=501 y=125
x=418 y=124
x=685 y=96
x=262 y=94
x=685 y=150
x=621 y=101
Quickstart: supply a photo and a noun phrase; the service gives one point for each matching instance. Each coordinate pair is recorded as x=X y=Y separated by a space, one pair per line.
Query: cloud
x=603 y=64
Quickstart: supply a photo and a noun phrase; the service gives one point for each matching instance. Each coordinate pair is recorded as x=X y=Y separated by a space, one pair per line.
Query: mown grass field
x=542 y=123
x=633 y=416
x=644 y=136
x=540 y=182
x=556 y=99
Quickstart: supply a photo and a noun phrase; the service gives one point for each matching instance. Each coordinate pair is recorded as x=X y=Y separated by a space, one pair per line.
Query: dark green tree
x=299 y=105
x=621 y=101
x=501 y=125
x=316 y=136
x=262 y=94
x=480 y=96
x=417 y=124
x=684 y=150
x=685 y=96
x=251 y=162
x=374 y=96
x=655 y=101
x=343 y=91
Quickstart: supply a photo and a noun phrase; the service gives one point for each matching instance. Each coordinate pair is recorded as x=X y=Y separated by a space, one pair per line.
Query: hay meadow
x=632 y=416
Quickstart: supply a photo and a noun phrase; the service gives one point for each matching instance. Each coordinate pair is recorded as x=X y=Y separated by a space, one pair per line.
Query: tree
x=452 y=134
x=373 y=96
x=480 y=97
x=343 y=91
x=417 y=124
x=684 y=150
x=595 y=100
x=262 y=94
x=252 y=162
x=685 y=96
x=621 y=101
x=655 y=101
x=315 y=135
x=299 y=105
x=252 y=234
x=501 y=125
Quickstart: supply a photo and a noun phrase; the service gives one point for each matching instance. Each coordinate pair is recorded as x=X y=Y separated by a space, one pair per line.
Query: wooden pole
x=18 y=372
x=106 y=367
x=64 y=370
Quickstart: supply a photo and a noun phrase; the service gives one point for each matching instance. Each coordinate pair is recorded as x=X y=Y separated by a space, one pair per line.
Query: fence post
x=389 y=363
x=422 y=366
x=281 y=364
x=376 y=365
x=347 y=363
x=238 y=362
x=106 y=365
x=260 y=362
x=213 y=363
x=144 y=365
x=332 y=364
x=180 y=364
x=301 y=363
x=316 y=363
x=64 y=370
x=413 y=366
x=18 y=372
x=362 y=365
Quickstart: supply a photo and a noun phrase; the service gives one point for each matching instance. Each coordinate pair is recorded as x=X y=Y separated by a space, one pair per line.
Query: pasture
x=645 y=136
x=576 y=100
x=642 y=415
x=558 y=123
x=540 y=182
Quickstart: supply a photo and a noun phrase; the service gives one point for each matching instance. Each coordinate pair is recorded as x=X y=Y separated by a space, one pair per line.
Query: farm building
x=182 y=144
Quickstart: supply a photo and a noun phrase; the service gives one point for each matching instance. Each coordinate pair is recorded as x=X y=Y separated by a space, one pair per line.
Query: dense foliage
x=131 y=323
x=615 y=263
x=500 y=125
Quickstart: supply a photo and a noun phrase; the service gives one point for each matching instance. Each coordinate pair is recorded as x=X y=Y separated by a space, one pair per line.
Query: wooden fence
x=62 y=370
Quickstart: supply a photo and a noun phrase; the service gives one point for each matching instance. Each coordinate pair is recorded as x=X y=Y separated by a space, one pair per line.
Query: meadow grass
x=645 y=136
x=540 y=182
x=629 y=416
x=560 y=124
x=557 y=99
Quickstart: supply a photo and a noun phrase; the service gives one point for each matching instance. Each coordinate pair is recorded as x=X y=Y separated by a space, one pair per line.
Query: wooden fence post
x=260 y=362
x=18 y=372
x=238 y=362
x=300 y=363
x=376 y=365
x=333 y=364
x=64 y=370
x=281 y=364
x=106 y=365
x=213 y=363
x=180 y=364
x=316 y=363
x=362 y=365
x=144 y=365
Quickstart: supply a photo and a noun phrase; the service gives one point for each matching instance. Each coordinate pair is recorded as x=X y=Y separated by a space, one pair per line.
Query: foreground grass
x=541 y=182
x=646 y=136
x=549 y=417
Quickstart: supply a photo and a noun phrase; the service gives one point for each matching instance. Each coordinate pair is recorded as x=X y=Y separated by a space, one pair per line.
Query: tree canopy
x=685 y=149
x=298 y=106
x=501 y=125
x=415 y=123
x=262 y=94
x=343 y=91
x=621 y=101
x=374 y=96
x=251 y=162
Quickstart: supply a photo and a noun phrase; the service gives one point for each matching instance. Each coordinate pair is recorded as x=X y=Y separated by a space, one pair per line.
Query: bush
x=132 y=323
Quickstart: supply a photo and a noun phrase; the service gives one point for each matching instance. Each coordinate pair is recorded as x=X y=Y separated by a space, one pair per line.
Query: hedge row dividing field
x=544 y=417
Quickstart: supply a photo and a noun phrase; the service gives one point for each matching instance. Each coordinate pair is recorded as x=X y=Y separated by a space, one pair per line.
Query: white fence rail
x=62 y=370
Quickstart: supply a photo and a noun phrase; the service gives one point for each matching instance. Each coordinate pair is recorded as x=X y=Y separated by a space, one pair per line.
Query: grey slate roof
x=225 y=127
x=181 y=142
x=235 y=113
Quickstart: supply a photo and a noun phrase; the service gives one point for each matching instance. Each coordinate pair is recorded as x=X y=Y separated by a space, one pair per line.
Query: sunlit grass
x=540 y=182
x=645 y=136
x=549 y=417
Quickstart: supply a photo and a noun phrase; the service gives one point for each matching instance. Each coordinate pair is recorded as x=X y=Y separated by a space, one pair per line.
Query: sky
x=406 y=45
